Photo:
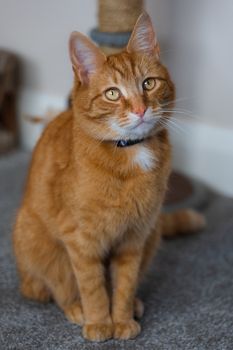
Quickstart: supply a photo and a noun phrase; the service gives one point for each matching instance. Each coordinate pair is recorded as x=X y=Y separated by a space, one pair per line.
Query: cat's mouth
x=140 y=123
x=143 y=121
x=140 y=131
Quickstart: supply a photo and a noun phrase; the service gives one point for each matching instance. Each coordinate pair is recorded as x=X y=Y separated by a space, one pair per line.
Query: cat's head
x=121 y=96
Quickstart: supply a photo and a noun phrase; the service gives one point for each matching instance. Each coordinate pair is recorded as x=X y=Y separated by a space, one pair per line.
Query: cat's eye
x=149 y=84
x=113 y=94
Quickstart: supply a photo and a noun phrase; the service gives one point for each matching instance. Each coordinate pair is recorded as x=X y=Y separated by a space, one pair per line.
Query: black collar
x=127 y=143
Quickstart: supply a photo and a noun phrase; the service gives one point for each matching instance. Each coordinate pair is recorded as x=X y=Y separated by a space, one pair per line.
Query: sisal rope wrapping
x=118 y=15
x=109 y=50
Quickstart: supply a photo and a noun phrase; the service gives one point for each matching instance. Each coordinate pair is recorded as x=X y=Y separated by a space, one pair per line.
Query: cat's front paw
x=126 y=330
x=98 y=331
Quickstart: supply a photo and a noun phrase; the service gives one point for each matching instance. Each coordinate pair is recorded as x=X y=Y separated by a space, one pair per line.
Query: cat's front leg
x=89 y=271
x=125 y=268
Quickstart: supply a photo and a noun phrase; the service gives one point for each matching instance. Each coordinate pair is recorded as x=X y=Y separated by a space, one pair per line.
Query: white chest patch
x=144 y=158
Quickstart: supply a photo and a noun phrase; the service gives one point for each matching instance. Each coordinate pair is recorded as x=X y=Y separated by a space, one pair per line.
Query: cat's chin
x=141 y=131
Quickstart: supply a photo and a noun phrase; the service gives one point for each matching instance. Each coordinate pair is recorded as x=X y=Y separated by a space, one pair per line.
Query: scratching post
x=118 y=16
x=116 y=20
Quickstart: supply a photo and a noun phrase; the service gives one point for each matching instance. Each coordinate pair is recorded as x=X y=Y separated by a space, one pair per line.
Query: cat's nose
x=140 y=111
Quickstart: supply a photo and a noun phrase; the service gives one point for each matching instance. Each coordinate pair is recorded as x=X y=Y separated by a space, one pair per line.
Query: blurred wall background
x=195 y=38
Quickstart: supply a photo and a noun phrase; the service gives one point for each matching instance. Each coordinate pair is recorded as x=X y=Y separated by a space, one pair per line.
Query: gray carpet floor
x=188 y=293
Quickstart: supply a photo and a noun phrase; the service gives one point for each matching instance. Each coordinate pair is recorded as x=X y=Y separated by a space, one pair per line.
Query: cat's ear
x=143 y=38
x=85 y=56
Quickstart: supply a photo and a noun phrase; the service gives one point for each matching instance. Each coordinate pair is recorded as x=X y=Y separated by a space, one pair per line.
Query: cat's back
x=51 y=153
x=57 y=133
x=55 y=140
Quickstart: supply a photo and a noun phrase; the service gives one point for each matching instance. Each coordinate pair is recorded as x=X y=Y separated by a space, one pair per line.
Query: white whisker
x=180 y=112
x=177 y=126
x=181 y=99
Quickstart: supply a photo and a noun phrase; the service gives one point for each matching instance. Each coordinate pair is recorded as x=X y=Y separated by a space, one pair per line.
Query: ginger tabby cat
x=90 y=219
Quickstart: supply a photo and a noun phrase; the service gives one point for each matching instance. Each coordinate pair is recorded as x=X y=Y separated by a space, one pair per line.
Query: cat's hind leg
x=34 y=288
x=44 y=266
x=62 y=283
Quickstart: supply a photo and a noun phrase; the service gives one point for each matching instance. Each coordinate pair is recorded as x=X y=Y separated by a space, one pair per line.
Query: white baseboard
x=201 y=151
x=205 y=152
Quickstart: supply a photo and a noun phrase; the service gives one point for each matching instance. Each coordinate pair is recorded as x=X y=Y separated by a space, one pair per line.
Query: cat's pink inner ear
x=85 y=56
x=143 y=38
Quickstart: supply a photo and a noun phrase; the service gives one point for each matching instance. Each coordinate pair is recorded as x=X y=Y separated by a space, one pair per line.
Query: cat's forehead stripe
x=127 y=72
x=118 y=70
x=123 y=66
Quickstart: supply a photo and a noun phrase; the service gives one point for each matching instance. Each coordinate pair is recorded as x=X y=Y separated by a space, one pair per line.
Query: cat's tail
x=181 y=222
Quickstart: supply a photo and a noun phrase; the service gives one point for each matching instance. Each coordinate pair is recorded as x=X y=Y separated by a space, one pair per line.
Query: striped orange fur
x=90 y=220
